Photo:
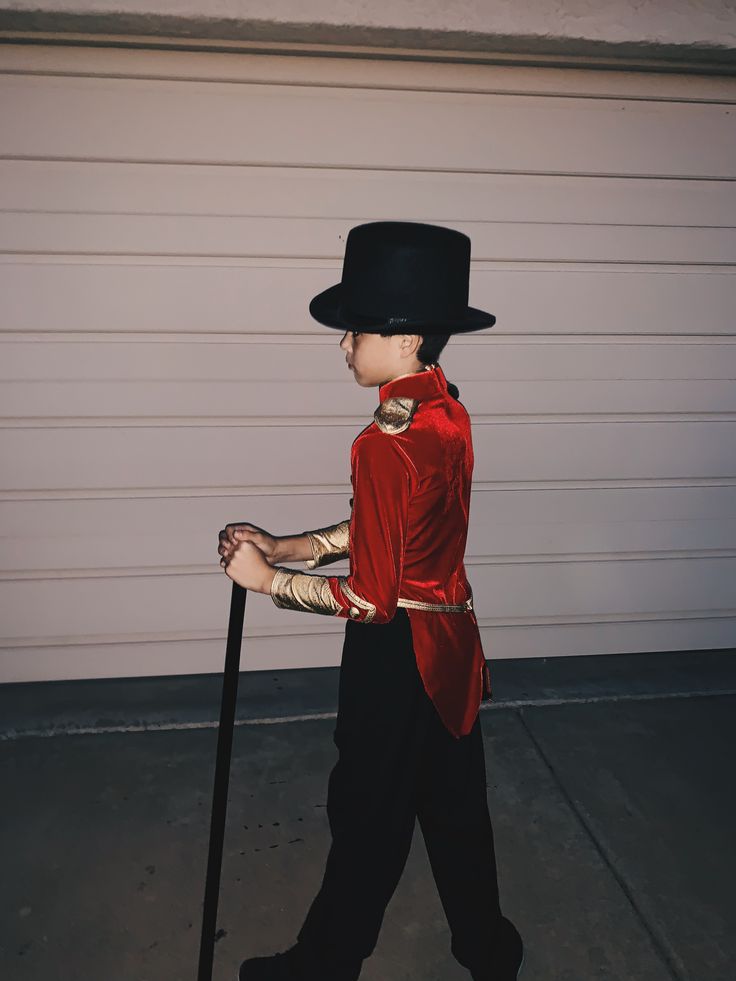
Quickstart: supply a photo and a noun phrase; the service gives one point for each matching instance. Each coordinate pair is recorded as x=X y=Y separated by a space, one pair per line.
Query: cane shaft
x=222 y=778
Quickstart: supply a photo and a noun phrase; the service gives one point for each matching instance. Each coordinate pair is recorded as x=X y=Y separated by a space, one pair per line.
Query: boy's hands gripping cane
x=247 y=570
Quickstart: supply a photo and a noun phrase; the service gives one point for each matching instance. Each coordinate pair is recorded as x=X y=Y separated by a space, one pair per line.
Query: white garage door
x=166 y=218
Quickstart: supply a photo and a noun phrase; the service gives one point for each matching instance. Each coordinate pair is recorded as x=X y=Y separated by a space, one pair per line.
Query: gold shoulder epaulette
x=394 y=415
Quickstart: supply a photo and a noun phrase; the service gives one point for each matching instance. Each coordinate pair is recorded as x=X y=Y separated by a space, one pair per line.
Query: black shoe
x=506 y=961
x=296 y=964
x=275 y=967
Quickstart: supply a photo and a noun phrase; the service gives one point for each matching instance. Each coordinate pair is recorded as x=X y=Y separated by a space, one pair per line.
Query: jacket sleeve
x=383 y=482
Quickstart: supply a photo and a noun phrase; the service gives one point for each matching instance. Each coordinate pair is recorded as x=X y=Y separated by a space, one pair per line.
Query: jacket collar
x=416 y=384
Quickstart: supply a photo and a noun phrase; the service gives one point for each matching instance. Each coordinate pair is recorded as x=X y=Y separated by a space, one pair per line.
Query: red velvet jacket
x=411 y=473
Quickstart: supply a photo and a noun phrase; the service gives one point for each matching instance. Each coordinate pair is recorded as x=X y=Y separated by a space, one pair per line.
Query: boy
x=412 y=673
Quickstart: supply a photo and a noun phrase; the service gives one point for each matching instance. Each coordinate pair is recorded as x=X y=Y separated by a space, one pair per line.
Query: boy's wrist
x=279 y=552
x=268 y=580
x=291 y=548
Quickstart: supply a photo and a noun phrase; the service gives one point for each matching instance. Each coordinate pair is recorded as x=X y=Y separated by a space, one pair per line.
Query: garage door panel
x=76 y=59
x=689 y=632
x=601 y=540
x=86 y=187
x=174 y=456
x=322 y=649
x=70 y=536
x=163 y=235
x=282 y=360
x=530 y=359
x=179 y=399
x=160 y=296
x=143 y=607
x=333 y=401
x=611 y=451
x=590 y=589
x=135 y=533
x=103 y=551
x=125 y=607
x=141 y=119
x=78 y=660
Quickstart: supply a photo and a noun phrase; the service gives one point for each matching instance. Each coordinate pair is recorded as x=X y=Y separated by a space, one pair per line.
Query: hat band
x=379 y=319
x=370 y=320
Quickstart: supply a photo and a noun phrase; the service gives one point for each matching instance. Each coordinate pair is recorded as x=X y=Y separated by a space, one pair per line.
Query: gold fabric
x=394 y=415
x=329 y=544
x=439 y=607
x=294 y=590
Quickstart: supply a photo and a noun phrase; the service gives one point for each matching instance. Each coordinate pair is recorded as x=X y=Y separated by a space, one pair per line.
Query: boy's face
x=374 y=360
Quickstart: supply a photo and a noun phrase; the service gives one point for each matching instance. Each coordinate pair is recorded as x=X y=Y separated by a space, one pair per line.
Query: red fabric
x=408 y=528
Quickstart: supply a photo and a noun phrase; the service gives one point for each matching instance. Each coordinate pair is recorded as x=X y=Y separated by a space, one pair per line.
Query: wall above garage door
x=660 y=32
x=166 y=218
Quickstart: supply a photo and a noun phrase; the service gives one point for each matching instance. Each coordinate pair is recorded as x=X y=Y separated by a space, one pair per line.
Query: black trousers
x=397 y=762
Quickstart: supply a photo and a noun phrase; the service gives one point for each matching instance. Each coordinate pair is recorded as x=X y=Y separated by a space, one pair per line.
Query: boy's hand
x=247 y=566
x=233 y=533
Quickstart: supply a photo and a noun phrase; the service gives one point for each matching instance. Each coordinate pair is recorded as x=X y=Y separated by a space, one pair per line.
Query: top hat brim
x=326 y=307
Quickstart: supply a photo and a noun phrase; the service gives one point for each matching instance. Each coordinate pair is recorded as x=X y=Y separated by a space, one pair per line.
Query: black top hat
x=402 y=277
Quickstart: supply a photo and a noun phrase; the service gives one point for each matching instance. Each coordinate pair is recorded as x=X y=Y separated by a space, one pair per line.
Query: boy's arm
x=317 y=547
x=383 y=481
x=291 y=548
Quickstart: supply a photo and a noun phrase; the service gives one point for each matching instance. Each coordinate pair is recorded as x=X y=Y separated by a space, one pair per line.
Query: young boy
x=413 y=672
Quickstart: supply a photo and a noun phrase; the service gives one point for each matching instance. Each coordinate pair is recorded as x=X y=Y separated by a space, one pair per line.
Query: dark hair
x=429 y=352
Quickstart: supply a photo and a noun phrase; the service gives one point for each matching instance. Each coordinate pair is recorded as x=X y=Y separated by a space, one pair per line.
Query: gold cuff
x=329 y=544
x=294 y=590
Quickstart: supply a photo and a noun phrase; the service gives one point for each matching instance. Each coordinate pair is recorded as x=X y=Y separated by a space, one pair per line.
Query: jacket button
x=354 y=612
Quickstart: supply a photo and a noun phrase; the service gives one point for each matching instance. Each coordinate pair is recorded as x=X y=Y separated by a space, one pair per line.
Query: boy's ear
x=410 y=343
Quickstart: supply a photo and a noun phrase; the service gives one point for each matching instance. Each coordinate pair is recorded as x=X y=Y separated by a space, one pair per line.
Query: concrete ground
x=610 y=785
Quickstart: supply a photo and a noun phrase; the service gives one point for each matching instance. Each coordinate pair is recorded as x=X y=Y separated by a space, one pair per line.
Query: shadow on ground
x=613 y=822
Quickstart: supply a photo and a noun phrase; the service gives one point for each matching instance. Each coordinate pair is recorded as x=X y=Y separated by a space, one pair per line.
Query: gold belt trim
x=438 y=607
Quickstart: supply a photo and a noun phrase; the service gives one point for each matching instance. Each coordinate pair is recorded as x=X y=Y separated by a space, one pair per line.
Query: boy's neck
x=403 y=374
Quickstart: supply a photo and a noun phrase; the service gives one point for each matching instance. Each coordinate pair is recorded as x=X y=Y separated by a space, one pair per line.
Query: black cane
x=222 y=778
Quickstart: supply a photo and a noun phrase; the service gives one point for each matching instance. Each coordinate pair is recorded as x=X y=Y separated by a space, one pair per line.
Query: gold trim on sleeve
x=439 y=607
x=294 y=590
x=362 y=604
x=329 y=544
